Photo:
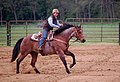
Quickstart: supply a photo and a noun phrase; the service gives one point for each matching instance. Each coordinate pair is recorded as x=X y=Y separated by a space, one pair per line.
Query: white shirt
x=50 y=21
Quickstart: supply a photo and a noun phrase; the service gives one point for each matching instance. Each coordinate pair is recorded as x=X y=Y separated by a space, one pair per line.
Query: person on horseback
x=50 y=23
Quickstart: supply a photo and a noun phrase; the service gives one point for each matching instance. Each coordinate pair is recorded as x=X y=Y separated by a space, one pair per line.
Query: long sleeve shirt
x=50 y=21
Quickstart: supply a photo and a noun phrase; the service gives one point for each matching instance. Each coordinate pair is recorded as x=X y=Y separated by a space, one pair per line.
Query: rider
x=51 y=22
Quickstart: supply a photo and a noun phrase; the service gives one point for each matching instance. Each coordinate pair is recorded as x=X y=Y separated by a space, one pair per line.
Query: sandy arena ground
x=95 y=63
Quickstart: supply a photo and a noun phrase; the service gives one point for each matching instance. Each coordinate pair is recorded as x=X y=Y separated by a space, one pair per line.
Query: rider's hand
x=51 y=31
x=61 y=25
x=58 y=27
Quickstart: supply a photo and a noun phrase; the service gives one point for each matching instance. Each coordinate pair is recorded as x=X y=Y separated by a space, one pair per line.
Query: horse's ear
x=81 y=26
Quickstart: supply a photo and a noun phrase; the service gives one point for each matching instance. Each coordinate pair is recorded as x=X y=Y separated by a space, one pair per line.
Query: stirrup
x=40 y=48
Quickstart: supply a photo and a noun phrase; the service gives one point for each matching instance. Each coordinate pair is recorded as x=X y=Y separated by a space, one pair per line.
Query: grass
x=101 y=32
x=94 y=32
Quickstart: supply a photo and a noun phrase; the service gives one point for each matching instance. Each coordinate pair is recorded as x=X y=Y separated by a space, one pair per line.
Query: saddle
x=37 y=36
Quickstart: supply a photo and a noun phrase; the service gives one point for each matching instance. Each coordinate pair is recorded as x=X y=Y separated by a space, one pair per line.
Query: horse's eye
x=79 y=31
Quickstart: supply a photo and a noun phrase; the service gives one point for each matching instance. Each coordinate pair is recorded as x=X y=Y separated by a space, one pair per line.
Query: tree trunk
x=113 y=12
x=15 y=15
x=107 y=9
x=110 y=10
x=34 y=10
x=77 y=12
x=13 y=8
x=101 y=10
x=1 y=15
x=62 y=13
x=89 y=11
x=34 y=14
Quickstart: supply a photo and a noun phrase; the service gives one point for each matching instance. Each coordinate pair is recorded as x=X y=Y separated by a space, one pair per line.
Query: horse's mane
x=65 y=26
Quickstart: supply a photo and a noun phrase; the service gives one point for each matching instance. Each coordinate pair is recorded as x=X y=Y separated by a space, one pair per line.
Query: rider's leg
x=44 y=36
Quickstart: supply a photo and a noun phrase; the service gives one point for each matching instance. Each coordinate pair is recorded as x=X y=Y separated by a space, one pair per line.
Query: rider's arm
x=58 y=23
x=50 y=21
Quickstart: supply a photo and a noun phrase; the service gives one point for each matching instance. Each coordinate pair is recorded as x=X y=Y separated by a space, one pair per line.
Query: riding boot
x=43 y=37
x=40 y=44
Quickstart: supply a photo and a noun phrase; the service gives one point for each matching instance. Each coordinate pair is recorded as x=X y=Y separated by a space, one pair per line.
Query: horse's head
x=78 y=33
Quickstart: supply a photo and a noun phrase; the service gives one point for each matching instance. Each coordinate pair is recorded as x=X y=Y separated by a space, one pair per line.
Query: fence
x=99 y=29
x=92 y=20
x=10 y=31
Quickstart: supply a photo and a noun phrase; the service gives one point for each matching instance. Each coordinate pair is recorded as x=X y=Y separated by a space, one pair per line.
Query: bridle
x=77 y=33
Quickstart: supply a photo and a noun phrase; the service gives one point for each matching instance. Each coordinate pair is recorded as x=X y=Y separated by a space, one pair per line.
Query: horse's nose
x=83 y=41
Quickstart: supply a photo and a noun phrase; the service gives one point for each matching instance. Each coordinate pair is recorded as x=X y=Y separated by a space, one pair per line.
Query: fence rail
x=93 y=20
x=10 y=31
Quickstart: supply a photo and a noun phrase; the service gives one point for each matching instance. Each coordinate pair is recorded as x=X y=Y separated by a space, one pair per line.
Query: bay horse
x=59 y=45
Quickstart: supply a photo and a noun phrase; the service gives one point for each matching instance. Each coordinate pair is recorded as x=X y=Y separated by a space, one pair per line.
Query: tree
x=1 y=9
x=41 y=9
x=12 y=6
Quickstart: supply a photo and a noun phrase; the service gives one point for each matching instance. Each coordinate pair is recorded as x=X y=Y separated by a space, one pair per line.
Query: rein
x=65 y=41
x=60 y=40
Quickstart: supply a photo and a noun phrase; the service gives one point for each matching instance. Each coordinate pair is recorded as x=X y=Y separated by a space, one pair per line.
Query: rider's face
x=56 y=14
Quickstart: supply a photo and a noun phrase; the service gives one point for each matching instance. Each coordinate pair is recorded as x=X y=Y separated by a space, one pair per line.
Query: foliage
x=41 y=9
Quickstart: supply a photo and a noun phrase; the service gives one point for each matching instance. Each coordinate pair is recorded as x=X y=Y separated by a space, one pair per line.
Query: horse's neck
x=66 y=35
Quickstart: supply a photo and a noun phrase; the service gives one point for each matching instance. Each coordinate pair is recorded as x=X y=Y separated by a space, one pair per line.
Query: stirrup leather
x=50 y=36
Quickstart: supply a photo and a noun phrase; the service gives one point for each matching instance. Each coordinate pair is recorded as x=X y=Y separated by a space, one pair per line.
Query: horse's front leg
x=68 y=53
x=62 y=57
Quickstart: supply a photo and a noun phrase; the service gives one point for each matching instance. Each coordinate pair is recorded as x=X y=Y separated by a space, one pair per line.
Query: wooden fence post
x=26 y=28
x=119 y=34
x=101 y=32
x=8 y=33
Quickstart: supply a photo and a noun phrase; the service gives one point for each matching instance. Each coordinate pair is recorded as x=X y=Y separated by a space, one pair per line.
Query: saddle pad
x=35 y=36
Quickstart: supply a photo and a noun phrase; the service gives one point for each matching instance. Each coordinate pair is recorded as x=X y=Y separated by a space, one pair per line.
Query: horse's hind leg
x=34 y=59
x=22 y=56
x=68 y=53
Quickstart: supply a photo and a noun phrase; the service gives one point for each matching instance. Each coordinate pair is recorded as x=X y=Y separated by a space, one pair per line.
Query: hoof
x=68 y=72
x=17 y=72
x=72 y=65
x=37 y=72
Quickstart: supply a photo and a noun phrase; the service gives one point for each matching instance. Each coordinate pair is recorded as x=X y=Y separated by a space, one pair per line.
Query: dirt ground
x=95 y=63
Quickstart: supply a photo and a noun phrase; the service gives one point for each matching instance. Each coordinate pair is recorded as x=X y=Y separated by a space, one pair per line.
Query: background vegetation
x=41 y=9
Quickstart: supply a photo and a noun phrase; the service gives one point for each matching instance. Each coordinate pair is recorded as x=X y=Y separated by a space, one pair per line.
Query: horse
x=58 y=45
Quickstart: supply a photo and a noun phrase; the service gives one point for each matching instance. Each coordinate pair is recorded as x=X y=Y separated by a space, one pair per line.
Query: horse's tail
x=16 y=49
